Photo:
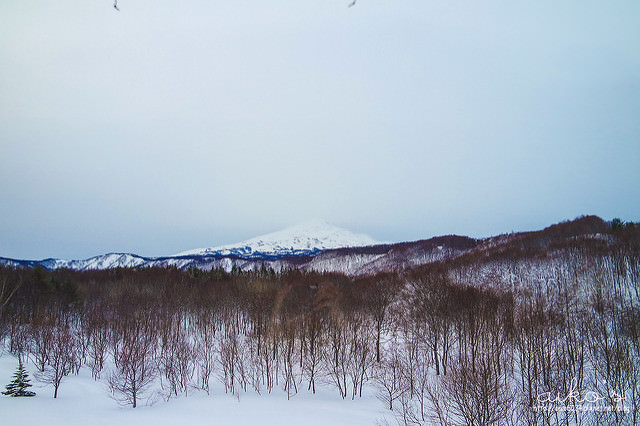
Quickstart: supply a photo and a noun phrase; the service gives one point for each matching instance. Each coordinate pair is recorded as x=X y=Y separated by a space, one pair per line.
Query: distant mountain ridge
x=321 y=247
x=296 y=243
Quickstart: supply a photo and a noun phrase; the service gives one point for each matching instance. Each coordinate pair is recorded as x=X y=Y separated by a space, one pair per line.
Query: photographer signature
x=574 y=396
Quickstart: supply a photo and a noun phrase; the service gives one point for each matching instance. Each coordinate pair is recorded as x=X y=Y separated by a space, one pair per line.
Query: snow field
x=83 y=401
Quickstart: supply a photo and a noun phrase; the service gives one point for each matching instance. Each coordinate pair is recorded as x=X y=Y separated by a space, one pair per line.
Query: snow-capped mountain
x=104 y=261
x=320 y=247
x=303 y=239
x=299 y=241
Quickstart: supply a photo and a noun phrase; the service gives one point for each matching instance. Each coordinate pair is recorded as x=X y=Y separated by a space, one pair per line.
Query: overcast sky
x=172 y=125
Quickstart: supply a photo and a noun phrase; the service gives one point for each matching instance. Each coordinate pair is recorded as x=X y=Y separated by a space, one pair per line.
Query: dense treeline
x=498 y=341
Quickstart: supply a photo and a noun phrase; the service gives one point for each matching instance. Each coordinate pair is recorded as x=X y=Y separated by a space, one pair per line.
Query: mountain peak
x=304 y=238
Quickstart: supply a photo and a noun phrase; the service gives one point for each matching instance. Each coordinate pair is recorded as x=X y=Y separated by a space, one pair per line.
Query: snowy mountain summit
x=306 y=238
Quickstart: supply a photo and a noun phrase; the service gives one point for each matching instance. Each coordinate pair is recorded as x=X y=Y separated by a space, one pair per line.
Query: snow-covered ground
x=83 y=401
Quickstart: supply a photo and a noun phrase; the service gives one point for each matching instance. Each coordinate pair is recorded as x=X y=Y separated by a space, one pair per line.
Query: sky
x=171 y=125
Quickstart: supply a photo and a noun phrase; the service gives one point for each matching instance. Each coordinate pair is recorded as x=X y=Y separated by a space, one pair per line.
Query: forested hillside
x=534 y=328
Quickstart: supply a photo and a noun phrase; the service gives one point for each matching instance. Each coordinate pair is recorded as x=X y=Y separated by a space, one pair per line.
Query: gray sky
x=172 y=125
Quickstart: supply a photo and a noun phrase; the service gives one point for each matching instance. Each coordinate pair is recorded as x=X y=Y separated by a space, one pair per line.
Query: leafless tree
x=415 y=365
x=336 y=353
x=204 y=350
x=229 y=356
x=313 y=342
x=360 y=351
x=8 y=288
x=42 y=336
x=288 y=358
x=388 y=379
x=379 y=295
x=134 y=349
x=176 y=360
x=61 y=358
x=98 y=347
x=481 y=395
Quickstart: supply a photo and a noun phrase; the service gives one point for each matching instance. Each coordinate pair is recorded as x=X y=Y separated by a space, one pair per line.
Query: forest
x=542 y=329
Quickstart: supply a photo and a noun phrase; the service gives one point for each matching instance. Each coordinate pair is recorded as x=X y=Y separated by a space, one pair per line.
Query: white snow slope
x=307 y=237
x=83 y=401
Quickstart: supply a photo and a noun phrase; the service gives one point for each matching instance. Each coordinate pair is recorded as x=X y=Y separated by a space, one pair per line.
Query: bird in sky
x=115 y=5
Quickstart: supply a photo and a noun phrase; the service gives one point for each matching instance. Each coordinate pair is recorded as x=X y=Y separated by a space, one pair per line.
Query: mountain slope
x=283 y=249
x=324 y=248
x=304 y=239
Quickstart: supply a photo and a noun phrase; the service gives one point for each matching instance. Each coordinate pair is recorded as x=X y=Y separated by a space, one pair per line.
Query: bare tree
x=415 y=363
x=204 y=350
x=481 y=395
x=288 y=356
x=8 y=288
x=388 y=379
x=177 y=356
x=61 y=358
x=98 y=346
x=229 y=349
x=379 y=294
x=360 y=351
x=42 y=341
x=134 y=348
x=336 y=353
x=314 y=327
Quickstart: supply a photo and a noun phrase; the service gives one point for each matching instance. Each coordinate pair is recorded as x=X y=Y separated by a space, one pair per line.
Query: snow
x=107 y=261
x=83 y=401
x=305 y=237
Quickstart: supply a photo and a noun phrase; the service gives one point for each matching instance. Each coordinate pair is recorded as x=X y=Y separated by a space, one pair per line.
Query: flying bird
x=353 y=3
x=115 y=5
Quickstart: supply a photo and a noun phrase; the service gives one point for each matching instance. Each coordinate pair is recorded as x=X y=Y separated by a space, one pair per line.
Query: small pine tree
x=20 y=383
x=617 y=223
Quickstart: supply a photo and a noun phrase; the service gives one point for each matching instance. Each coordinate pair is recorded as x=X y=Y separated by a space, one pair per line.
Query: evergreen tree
x=20 y=383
